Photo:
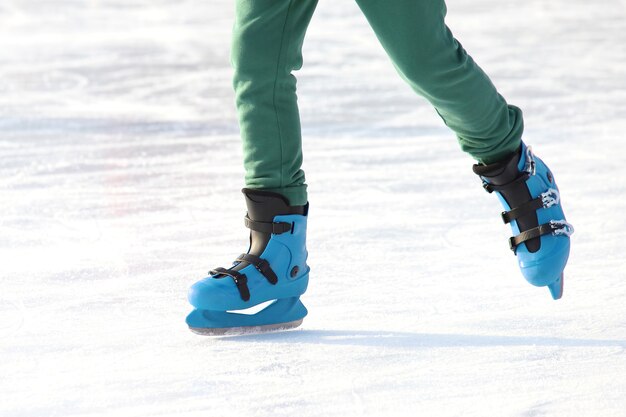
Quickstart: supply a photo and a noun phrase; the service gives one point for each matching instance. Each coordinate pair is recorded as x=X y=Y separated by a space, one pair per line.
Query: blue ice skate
x=529 y=194
x=273 y=270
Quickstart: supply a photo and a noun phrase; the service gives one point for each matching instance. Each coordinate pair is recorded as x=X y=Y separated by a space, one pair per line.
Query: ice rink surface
x=120 y=173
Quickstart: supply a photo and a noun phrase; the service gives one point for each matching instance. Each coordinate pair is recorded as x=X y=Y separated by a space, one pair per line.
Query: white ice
x=120 y=173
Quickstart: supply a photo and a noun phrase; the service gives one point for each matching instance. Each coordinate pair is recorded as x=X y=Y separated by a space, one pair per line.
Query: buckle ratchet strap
x=545 y=200
x=275 y=228
x=523 y=210
x=490 y=188
x=553 y=227
x=261 y=265
x=241 y=281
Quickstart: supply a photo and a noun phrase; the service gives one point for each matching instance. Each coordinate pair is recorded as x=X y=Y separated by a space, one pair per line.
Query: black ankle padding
x=504 y=172
x=252 y=191
x=265 y=205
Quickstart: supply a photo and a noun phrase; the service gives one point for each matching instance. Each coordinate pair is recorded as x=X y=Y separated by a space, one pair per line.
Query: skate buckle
x=530 y=166
x=260 y=264
x=550 y=198
x=512 y=245
x=241 y=280
x=561 y=227
x=266 y=270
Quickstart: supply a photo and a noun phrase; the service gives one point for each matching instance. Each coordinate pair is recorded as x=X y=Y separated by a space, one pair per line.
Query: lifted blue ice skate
x=273 y=270
x=529 y=194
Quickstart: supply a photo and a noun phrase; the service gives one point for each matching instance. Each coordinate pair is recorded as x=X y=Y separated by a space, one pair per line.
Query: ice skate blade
x=246 y=330
x=285 y=313
x=556 y=288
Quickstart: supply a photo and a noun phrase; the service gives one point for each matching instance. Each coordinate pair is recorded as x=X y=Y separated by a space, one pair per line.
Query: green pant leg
x=436 y=66
x=267 y=46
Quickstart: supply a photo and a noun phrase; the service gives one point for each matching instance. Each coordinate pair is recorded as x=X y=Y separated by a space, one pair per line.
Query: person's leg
x=436 y=66
x=267 y=47
x=267 y=42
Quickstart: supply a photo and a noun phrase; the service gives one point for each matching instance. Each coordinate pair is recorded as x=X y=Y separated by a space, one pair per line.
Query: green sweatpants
x=267 y=47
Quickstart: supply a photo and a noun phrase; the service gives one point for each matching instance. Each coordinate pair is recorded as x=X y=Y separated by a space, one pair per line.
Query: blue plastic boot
x=529 y=194
x=274 y=269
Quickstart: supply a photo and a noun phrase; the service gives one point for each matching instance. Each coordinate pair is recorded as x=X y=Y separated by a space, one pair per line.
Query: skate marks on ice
x=408 y=340
x=538 y=410
x=12 y=316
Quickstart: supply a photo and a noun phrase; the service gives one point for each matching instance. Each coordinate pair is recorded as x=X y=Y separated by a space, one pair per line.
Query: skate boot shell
x=273 y=270
x=528 y=192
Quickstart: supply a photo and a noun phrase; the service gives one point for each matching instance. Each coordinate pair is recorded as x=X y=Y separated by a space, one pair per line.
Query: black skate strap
x=241 y=281
x=275 y=228
x=522 y=210
x=544 y=229
x=262 y=265
x=490 y=188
